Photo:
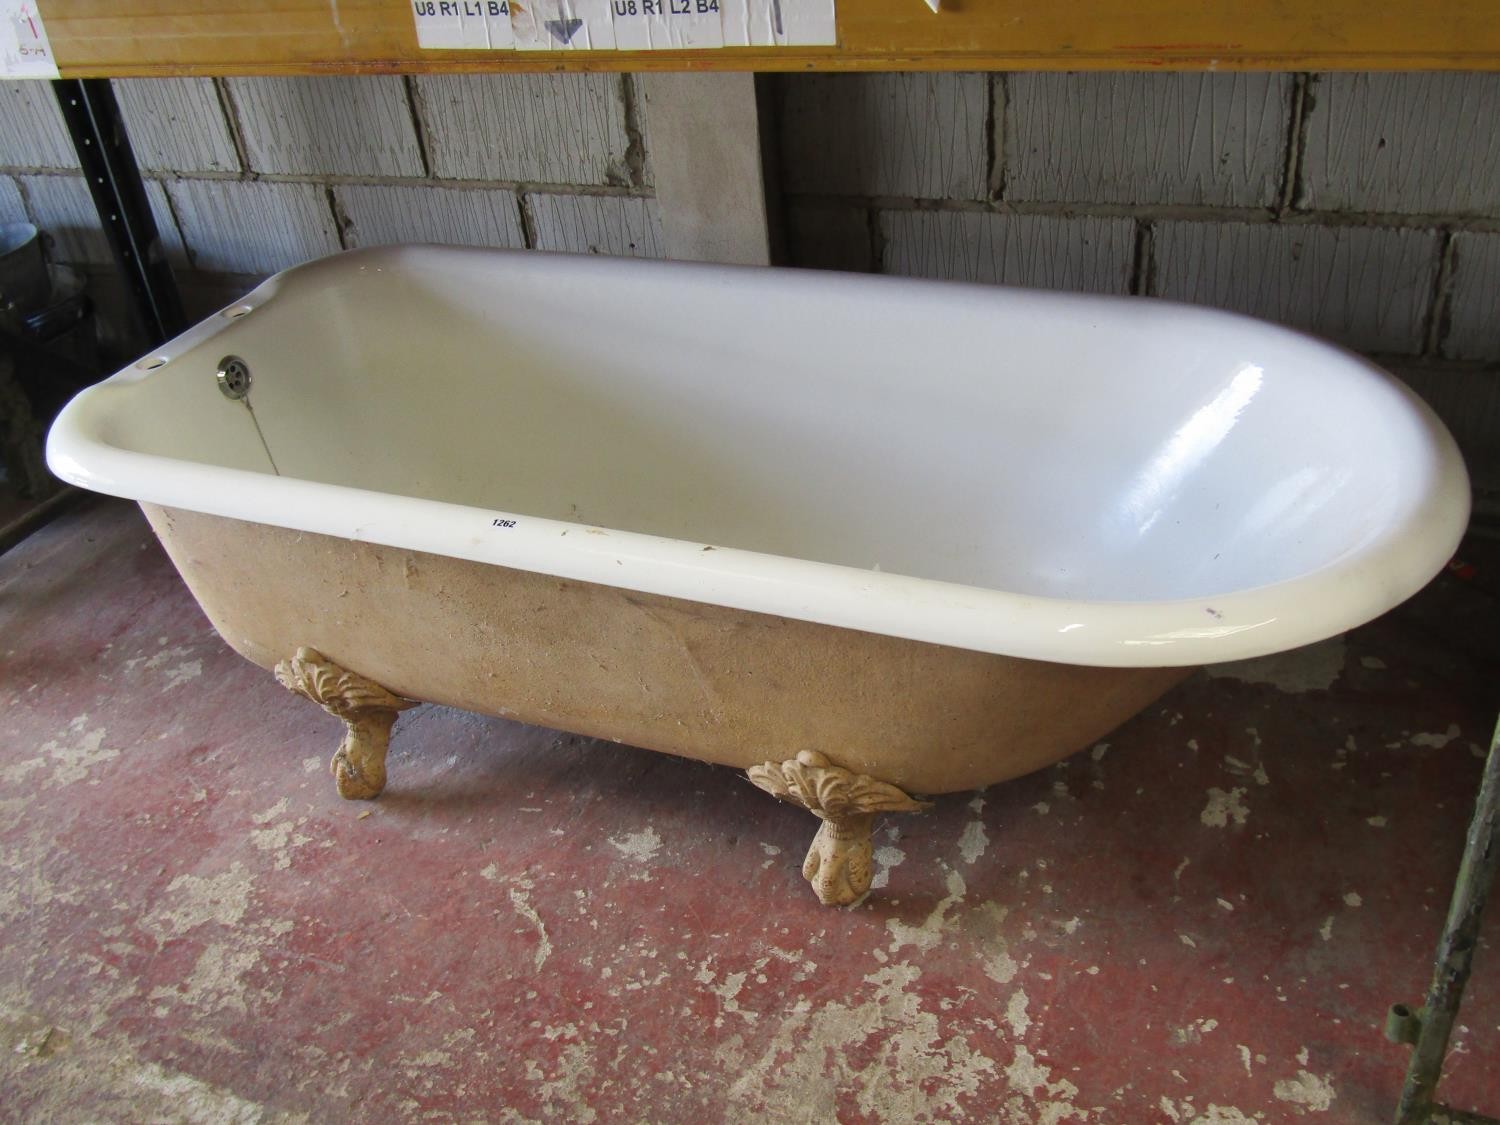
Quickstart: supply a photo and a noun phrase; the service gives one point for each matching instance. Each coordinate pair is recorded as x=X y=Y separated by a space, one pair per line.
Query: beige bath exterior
x=699 y=681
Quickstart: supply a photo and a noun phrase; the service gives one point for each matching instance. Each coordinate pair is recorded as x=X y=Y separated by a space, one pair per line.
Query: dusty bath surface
x=1202 y=918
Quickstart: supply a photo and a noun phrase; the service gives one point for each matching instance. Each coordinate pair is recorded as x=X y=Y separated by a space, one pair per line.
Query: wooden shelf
x=108 y=38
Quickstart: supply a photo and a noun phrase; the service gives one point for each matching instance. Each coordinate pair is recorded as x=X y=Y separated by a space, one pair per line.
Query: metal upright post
x=1428 y=1029
x=93 y=118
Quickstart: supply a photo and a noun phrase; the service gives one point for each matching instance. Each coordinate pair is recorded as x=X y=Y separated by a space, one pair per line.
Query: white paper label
x=479 y=25
x=621 y=25
x=778 y=23
x=562 y=25
x=24 y=50
x=666 y=25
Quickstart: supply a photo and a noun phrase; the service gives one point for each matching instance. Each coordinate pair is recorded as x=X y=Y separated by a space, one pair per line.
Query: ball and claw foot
x=839 y=864
x=368 y=712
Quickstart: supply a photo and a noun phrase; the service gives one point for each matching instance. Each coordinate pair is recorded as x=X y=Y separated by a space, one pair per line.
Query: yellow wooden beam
x=210 y=37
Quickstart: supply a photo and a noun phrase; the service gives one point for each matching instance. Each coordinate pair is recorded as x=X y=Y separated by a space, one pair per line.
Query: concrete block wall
x=1362 y=207
x=250 y=175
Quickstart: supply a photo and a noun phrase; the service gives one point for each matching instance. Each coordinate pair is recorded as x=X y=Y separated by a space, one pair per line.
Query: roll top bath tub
x=866 y=538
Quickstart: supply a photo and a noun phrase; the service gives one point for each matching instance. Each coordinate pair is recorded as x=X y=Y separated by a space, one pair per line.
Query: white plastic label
x=24 y=50
x=621 y=25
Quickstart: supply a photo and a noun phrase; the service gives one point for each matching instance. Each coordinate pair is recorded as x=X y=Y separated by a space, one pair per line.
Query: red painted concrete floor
x=1201 y=919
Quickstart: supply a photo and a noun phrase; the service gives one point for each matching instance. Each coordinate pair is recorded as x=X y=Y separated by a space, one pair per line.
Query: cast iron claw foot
x=368 y=712
x=838 y=864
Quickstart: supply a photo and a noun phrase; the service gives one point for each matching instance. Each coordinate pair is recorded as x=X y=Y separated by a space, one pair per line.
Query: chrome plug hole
x=234 y=377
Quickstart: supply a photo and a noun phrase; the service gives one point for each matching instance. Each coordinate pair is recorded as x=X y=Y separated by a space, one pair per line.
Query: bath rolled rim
x=1241 y=624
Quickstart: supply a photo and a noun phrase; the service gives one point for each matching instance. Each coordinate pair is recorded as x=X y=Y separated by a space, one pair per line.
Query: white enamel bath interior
x=1092 y=480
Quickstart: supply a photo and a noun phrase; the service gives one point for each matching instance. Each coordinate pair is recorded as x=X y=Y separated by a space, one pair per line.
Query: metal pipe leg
x=1428 y=1030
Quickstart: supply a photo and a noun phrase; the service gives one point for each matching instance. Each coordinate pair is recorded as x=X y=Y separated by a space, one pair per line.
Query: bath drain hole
x=234 y=377
x=151 y=364
x=235 y=313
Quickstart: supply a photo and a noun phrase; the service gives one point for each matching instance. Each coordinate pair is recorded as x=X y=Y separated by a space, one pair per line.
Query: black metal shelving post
x=93 y=118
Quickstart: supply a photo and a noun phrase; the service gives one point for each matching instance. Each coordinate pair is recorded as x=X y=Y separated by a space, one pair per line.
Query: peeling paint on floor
x=1223 y=807
x=1201 y=920
x=1313 y=668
